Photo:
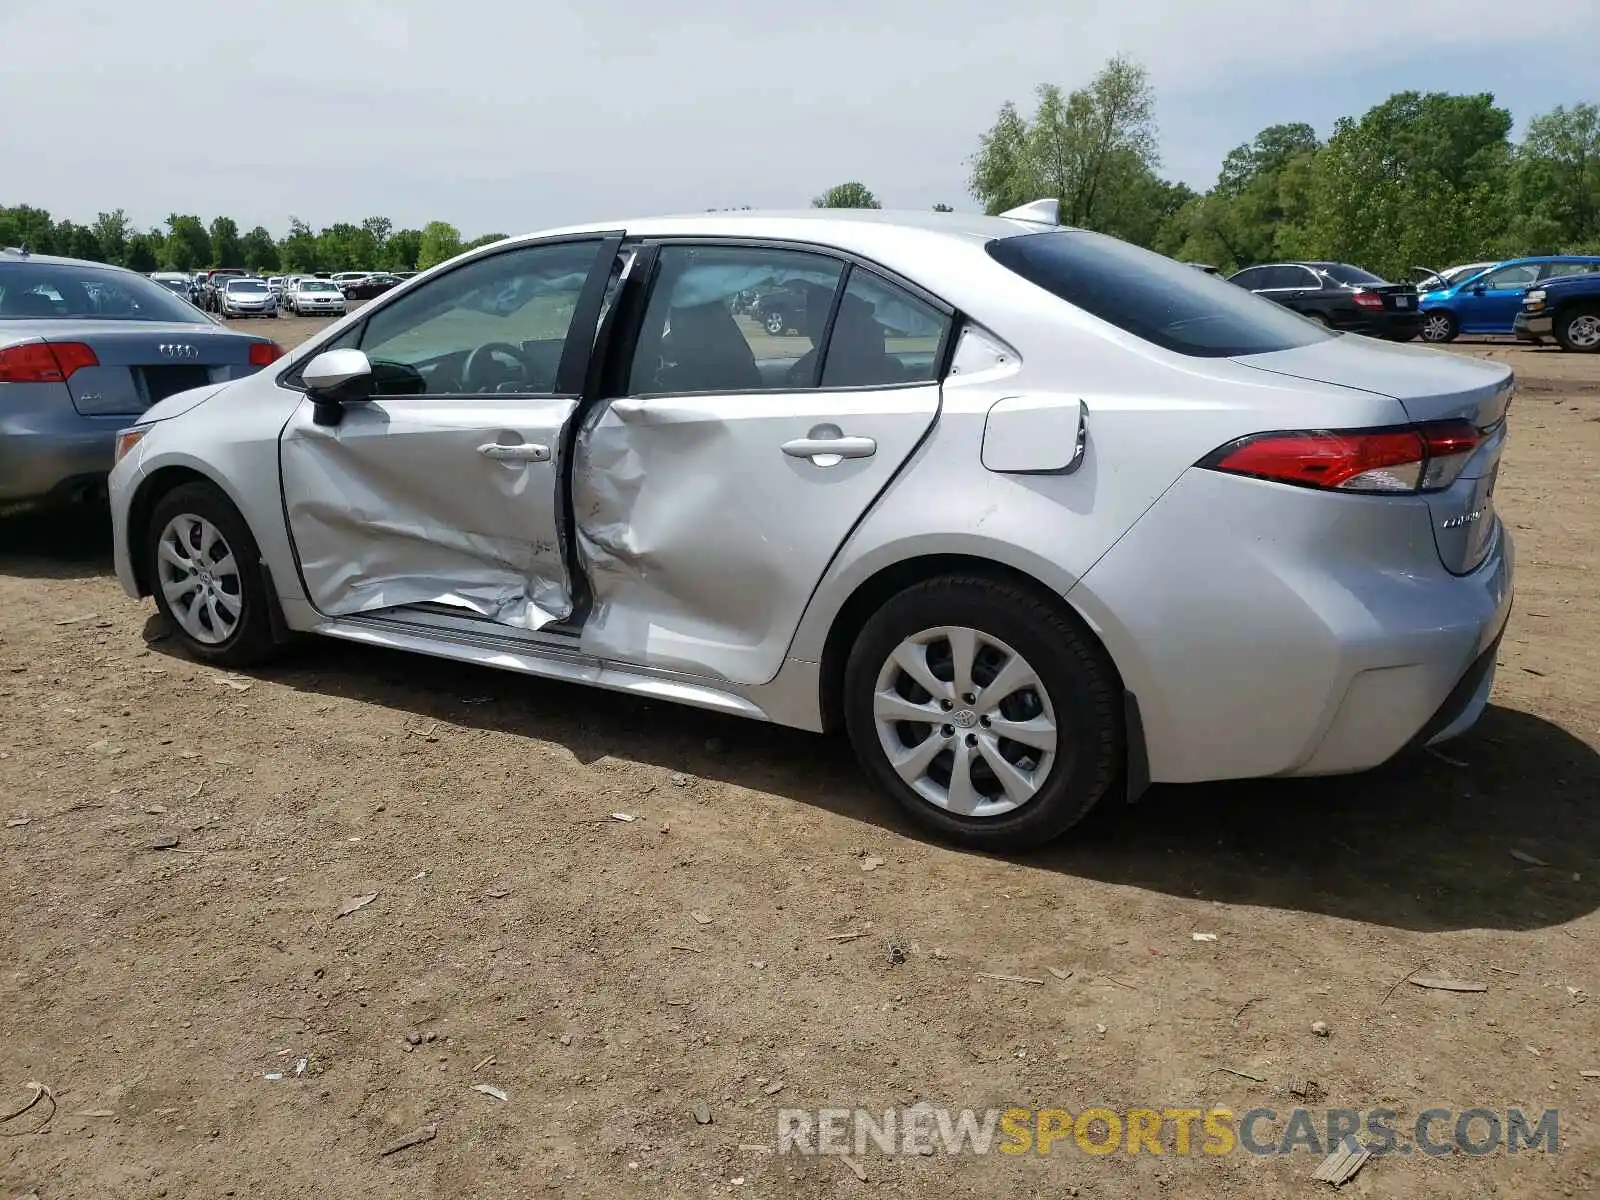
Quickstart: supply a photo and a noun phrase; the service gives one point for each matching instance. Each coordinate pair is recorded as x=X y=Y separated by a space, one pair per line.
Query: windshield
x=246 y=285
x=1351 y=276
x=1161 y=301
x=315 y=285
x=34 y=291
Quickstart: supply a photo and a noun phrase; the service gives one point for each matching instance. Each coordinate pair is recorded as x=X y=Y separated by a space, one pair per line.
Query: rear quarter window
x=1158 y=300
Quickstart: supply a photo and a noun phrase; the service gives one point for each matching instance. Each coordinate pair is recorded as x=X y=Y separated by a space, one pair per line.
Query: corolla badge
x=1461 y=520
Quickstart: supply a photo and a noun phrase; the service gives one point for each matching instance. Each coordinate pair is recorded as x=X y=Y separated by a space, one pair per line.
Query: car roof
x=57 y=260
x=843 y=227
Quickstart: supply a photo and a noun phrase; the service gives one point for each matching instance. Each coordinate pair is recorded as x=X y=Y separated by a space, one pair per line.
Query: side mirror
x=335 y=378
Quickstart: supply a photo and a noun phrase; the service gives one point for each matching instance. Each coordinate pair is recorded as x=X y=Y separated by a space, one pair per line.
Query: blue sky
x=508 y=116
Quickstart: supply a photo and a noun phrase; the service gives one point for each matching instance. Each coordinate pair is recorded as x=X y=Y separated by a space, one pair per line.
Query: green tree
x=346 y=247
x=78 y=241
x=30 y=227
x=846 y=195
x=142 y=253
x=298 y=251
x=1419 y=180
x=942 y=208
x=1092 y=149
x=111 y=230
x=400 y=250
x=225 y=248
x=440 y=241
x=259 y=250
x=188 y=244
x=379 y=229
x=485 y=240
x=1556 y=181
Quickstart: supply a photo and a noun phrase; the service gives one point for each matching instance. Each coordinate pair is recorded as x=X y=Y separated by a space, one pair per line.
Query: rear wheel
x=984 y=710
x=205 y=570
x=774 y=323
x=1578 y=329
x=1318 y=319
x=1439 y=327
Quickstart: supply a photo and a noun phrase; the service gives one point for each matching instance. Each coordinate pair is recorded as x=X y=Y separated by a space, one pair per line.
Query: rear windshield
x=41 y=291
x=1355 y=276
x=1164 y=302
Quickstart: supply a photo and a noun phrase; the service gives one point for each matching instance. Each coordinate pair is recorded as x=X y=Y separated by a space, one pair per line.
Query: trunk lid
x=1431 y=385
x=142 y=362
x=1397 y=297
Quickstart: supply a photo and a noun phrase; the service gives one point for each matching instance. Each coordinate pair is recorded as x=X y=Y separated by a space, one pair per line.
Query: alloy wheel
x=965 y=721
x=1584 y=331
x=774 y=323
x=1436 y=328
x=199 y=577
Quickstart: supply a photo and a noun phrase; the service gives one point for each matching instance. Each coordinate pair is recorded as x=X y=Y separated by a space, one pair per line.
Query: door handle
x=826 y=451
x=526 y=452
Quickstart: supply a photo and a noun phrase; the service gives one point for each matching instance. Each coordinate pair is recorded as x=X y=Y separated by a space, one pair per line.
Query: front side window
x=1519 y=276
x=733 y=319
x=1157 y=300
x=31 y=291
x=498 y=324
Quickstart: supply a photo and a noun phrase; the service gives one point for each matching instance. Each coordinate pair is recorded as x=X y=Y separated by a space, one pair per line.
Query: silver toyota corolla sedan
x=84 y=349
x=1033 y=514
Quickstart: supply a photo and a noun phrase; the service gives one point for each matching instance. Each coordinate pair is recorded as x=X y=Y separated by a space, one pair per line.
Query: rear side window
x=1156 y=299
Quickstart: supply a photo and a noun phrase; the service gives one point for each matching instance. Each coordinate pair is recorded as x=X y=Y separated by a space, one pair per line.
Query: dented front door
x=431 y=500
x=444 y=488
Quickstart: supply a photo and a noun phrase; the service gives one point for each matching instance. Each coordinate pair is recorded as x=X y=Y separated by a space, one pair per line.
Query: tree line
x=1419 y=180
x=187 y=243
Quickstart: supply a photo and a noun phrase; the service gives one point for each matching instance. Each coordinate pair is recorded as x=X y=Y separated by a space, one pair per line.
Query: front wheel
x=1439 y=328
x=988 y=713
x=205 y=570
x=1579 y=330
x=775 y=323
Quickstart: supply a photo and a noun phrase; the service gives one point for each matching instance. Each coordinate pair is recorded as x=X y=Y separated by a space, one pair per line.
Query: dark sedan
x=1339 y=296
x=372 y=285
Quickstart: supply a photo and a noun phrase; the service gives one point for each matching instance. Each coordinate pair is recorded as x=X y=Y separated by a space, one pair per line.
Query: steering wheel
x=475 y=375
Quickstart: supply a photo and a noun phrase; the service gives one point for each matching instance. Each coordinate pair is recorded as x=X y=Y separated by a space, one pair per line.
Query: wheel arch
x=874 y=591
x=146 y=496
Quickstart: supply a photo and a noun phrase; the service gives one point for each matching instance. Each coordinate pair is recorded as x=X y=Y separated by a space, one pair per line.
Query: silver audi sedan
x=84 y=350
x=1036 y=516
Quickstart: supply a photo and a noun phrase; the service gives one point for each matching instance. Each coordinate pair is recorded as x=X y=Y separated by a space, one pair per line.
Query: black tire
x=251 y=641
x=1317 y=318
x=1445 y=328
x=1568 y=321
x=1080 y=681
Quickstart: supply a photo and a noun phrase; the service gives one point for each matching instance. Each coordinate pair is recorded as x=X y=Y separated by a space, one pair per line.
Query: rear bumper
x=1388 y=325
x=49 y=455
x=1276 y=631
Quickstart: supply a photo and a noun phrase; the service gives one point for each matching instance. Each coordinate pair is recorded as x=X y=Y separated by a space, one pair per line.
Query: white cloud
x=503 y=115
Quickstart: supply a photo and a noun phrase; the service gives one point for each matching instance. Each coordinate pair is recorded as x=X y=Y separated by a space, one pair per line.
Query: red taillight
x=1368 y=300
x=44 y=362
x=1412 y=459
x=264 y=354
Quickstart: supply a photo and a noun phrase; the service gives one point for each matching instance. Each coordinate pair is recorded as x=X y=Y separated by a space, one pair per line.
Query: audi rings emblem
x=178 y=350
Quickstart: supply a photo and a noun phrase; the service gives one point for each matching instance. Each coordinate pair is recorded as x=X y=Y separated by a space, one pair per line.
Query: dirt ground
x=609 y=976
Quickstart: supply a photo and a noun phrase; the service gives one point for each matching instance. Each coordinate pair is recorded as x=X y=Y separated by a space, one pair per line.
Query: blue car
x=1488 y=301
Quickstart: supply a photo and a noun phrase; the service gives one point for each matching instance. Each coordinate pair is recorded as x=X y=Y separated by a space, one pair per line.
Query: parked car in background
x=211 y=290
x=1487 y=301
x=1217 y=541
x=84 y=349
x=311 y=297
x=372 y=285
x=176 y=282
x=247 y=297
x=1338 y=295
x=1427 y=279
x=275 y=285
x=346 y=278
x=1567 y=308
x=780 y=308
x=1206 y=267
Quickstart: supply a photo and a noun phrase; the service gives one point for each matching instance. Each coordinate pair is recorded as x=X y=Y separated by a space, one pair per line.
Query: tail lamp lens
x=264 y=354
x=1419 y=458
x=45 y=362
